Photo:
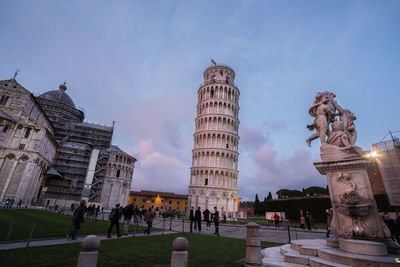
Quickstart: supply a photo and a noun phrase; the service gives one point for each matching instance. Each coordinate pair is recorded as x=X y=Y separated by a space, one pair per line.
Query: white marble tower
x=214 y=172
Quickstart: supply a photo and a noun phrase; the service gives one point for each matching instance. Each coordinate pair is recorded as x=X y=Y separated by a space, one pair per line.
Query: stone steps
x=317 y=254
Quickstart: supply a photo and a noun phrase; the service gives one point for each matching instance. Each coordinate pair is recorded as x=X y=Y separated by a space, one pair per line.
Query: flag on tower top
x=212 y=60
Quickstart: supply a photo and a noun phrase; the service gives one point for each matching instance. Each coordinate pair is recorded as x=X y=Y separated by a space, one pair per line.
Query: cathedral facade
x=50 y=156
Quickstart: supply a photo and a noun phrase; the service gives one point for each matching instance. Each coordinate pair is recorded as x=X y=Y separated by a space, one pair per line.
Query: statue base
x=355 y=215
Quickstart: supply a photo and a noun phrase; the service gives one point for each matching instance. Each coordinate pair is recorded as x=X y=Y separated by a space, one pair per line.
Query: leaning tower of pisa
x=214 y=172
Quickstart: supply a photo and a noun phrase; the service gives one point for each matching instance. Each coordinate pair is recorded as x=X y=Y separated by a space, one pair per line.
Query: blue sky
x=140 y=63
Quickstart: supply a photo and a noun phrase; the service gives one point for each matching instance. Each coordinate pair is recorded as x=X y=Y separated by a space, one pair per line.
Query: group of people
x=195 y=219
x=114 y=217
x=393 y=225
x=10 y=202
x=305 y=220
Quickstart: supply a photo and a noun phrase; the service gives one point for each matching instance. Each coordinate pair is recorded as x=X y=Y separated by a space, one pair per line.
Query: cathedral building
x=51 y=156
x=214 y=171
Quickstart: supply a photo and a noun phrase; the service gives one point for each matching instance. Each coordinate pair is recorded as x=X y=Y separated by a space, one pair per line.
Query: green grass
x=204 y=250
x=48 y=224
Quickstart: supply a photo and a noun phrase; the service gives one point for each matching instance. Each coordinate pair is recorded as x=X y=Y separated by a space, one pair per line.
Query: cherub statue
x=324 y=111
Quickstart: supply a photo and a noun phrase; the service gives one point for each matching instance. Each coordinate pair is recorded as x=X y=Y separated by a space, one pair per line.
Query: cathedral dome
x=59 y=95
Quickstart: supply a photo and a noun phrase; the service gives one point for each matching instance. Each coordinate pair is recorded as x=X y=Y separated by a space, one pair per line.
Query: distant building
x=160 y=201
x=56 y=156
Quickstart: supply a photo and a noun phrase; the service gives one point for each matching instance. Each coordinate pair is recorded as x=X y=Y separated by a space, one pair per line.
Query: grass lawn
x=48 y=224
x=204 y=250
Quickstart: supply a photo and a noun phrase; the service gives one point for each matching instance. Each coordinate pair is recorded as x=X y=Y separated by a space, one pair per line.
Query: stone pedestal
x=253 y=245
x=179 y=257
x=88 y=255
x=355 y=215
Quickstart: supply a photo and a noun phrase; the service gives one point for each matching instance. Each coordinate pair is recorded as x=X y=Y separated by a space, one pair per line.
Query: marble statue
x=325 y=109
x=355 y=214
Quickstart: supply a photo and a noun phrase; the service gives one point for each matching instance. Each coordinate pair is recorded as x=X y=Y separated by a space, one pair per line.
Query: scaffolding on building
x=388 y=158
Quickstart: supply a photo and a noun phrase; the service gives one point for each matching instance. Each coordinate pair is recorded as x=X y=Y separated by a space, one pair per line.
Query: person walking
x=128 y=212
x=148 y=218
x=197 y=217
x=78 y=219
x=19 y=203
x=308 y=220
x=191 y=217
x=206 y=216
x=329 y=215
x=114 y=217
x=11 y=203
x=97 y=211
x=216 y=221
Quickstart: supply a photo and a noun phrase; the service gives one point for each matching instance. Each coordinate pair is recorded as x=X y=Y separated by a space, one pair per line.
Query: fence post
x=163 y=226
x=170 y=224
x=89 y=253
x=31 y=234
x=11 y=227
x=179 y=257
x=183 y=225
x=253 y=246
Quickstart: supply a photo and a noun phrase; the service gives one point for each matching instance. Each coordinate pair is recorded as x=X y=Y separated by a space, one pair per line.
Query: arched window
x=6 y=127
x=212 y=93
x=206 y=181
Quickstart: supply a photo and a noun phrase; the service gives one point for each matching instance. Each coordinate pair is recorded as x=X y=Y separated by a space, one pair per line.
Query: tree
x=269 y=197
x=315 y=191
x=257 y=205
x=264 y=205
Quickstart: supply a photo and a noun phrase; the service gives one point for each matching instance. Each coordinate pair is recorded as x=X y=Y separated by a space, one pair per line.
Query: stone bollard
x=179 y=256
x=89 y=253
x=253 y=246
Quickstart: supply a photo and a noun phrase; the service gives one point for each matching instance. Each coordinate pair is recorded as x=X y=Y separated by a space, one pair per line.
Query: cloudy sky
x=140 y=63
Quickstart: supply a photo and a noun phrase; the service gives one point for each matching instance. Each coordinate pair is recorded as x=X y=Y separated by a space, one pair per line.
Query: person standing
x=308 y=220
x=11 y=203
x=197 y=217
x=148 y=218
x=128 y=212
x=216 y=221
x=191 y=217
x=206 y=215
x=329 y=215
x=19 y=203
x=77 y=220
x=276 y=219
x=97 y=211
x=114 y=217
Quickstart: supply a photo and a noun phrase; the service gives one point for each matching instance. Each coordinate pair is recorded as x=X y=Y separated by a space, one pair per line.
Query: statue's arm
x=337 y=106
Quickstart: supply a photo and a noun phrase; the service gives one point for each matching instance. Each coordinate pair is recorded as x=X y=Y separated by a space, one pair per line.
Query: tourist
x=19 y=203
x=7 y=203
x=11 y=203
x=397 y=223
x=391 y=224
x=206 y=216
x=197 y=217
x=308 y=220
x=191 y=217
x=97 y=211
x=276 y=219
x=136 y=214
x=302 y=221
x=149 y=220
x=72 y=207
x=77 y=219
x=114 y=217
x=329 y=215
x=216 y=221
x=128 y=212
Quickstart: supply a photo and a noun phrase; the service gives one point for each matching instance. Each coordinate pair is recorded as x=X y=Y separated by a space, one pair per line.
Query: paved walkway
x=60 y=241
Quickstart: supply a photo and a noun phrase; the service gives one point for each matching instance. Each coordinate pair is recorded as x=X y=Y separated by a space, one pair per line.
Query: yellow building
x=159 y=201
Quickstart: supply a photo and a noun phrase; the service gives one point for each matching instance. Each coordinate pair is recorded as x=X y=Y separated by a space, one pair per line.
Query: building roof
x=6 y=116
x=93 y=125
x=58 y=95
x=116 y=149
x=157 y=193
